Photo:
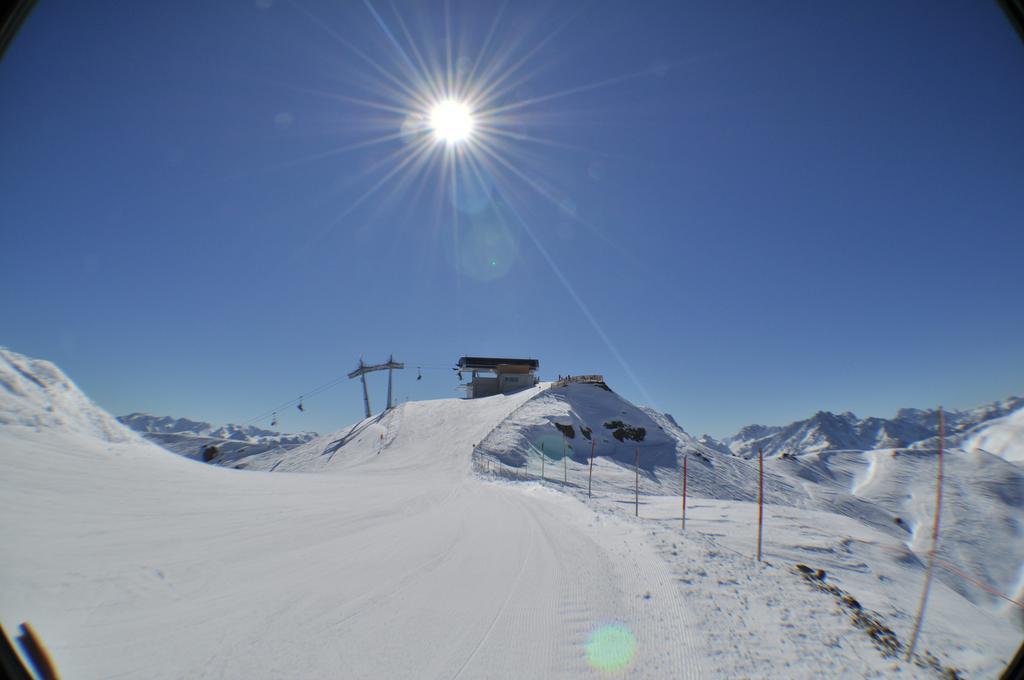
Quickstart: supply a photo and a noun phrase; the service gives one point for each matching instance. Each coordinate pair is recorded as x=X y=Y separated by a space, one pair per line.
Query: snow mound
x=37 y=396
x=1003 y=437
x=588 y=414
x=433 y=433
x=530 y=439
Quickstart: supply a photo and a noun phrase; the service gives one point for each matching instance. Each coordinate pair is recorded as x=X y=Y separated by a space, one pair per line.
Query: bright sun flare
x=451 y=121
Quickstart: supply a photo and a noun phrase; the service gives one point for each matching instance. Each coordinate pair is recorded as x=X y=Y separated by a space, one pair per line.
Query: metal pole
x=636 y=467
x=565 y=464
x=685 y=458
x=935 y=542
x=590 y=477
x=542 y=477
x=366 y=393
x=760 y=498
x=391 y=360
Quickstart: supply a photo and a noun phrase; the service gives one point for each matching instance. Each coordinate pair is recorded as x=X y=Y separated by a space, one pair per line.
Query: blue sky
x=736 y=213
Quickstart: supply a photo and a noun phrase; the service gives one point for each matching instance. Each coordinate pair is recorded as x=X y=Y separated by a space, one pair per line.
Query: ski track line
x=688 y=665
x=497 y=615
x=400 y=583
x=575 y=610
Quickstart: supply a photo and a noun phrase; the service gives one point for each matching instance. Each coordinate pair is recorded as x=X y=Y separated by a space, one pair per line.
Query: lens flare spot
x=611 y=648
x=487 y=248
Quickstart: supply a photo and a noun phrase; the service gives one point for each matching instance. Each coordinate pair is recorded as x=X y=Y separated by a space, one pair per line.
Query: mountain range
x=909 y=428
x=189 y=437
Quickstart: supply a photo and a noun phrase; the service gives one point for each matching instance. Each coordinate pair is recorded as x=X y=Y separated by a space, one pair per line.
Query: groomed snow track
x=133 y=562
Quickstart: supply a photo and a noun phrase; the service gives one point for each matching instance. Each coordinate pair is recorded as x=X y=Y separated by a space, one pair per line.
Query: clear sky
x=737 y=213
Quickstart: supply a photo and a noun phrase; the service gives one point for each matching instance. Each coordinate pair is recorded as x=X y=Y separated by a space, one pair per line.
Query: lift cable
x=298 y=402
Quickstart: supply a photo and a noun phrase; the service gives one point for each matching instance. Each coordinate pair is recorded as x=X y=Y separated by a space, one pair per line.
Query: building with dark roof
x=495 y=375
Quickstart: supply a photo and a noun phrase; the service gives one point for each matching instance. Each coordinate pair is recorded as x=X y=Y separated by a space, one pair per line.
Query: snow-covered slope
x=36 y=395
x=401 y=562
x=892 y=492
x=1003 y=437
x=189 y=437
x=134 y=562
x=407 y=427
x=826 y=431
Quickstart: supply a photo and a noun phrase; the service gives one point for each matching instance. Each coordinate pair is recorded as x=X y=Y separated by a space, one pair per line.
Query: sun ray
x=348 y=99
x=494 y=79
x=323 y=232
x=584 y=309
x=570 y=91
x=543 y=192
x=449 y=63
x=481 y=53
x=402 y=85
x=387 y=31
x=311 y=158
x=484 y=128
x=435 y=89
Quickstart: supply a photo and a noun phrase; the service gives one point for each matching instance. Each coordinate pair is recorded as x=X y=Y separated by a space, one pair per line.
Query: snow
x=189 y=437
x=823 y=505
x=37 y=396
x=825 y=431
x=382 y=550
x=1003 y=437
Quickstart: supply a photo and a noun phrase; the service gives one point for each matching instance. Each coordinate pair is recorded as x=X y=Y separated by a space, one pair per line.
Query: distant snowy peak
x=35 y=394
x=190 y=437
x=710 y=442
x=911 y=427
x=148 y=423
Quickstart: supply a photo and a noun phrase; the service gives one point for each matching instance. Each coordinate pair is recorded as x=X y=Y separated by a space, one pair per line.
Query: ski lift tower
x=363 y=369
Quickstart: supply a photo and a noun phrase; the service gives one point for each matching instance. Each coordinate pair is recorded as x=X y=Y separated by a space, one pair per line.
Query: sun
x=451 y=121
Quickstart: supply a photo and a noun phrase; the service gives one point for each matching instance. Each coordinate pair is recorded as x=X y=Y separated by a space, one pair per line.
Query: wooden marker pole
x=935 y=541
x=685 y=458
x=590 y=477
x=760 y=498
x=636 y=466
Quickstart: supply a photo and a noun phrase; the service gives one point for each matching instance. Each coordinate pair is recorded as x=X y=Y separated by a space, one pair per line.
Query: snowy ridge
x=1003 y=437
x=845 y=431
x=36 y=395
x=404 y=427
x=189 y=437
